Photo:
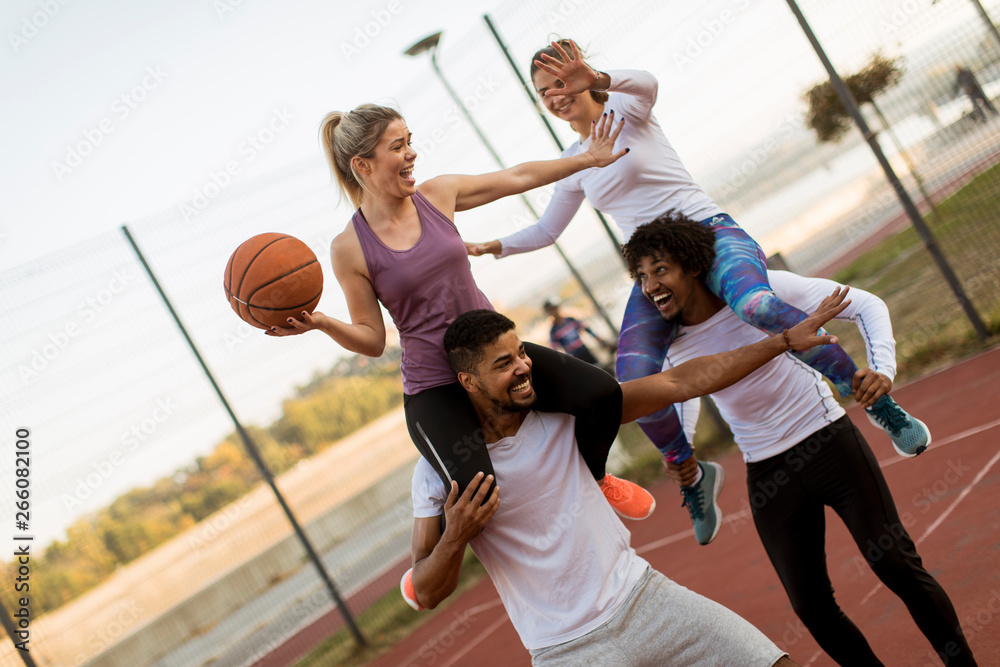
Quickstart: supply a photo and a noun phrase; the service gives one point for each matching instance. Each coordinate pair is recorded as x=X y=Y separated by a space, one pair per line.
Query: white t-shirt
x=639 y=187
x=558 y=554
x=785 y=401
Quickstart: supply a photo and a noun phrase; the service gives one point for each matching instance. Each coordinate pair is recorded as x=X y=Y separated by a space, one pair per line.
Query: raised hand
x=602 y=140
x=804 y=334
x=576 y=75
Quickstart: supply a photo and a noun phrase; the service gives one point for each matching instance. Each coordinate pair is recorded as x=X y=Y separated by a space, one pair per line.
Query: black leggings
x=446 y=430
x=788 y=492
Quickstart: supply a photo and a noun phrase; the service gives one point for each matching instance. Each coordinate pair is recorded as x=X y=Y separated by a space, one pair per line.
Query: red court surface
x=948 y=498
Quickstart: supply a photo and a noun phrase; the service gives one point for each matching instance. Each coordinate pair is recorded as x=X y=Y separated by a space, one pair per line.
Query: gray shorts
x=663 y=623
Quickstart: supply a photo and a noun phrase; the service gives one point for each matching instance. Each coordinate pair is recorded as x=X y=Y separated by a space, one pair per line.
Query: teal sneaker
x=701 y=500
x=909 y=435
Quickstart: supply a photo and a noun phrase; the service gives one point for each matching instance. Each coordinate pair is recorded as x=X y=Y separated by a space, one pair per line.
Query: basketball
x=272 y=277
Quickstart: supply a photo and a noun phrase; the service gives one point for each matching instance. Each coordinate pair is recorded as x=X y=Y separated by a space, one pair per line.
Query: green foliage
x=331 y=406
x=827 y=115
x=930 y=328
x=338 y=407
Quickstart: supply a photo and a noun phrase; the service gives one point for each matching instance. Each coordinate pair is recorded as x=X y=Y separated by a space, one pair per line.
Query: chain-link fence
x=154 y=541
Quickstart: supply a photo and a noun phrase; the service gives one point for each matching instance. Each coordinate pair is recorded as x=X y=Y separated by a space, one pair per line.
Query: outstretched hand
x=602 y=140
x=478 y=249
x=308 y=322
x=576 y=75
x=804 y=334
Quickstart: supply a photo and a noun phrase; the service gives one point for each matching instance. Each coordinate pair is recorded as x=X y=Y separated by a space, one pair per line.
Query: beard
x=505 y=402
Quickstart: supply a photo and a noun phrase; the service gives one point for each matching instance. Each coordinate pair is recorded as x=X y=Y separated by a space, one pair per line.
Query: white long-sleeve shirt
x=641 y=186
x=785 y=401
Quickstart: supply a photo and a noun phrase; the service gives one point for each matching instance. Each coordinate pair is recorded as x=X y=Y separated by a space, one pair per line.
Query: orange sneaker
x=406 y=588
x=629 y=500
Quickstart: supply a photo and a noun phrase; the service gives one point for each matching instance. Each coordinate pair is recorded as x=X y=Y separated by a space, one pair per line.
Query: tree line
x=333 y=405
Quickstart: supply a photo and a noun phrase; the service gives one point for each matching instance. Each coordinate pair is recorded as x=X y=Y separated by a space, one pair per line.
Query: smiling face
x=579 y=108
x=389 y=171
x=502 y=378
x=674 y=291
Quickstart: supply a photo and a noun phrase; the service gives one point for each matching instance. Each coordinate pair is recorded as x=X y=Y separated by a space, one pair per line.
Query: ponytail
x=345 y=135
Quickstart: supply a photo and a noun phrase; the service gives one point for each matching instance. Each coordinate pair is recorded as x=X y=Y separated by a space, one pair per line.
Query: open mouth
x=407 y=173
x=662 y=300
x=523 y=387
x=563 y=108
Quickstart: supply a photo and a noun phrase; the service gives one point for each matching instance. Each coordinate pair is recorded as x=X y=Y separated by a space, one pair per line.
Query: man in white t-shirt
x=802 y=451
x=575 y=590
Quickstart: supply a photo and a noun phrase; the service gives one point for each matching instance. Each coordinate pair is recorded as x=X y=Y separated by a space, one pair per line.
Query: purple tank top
x=424 y=289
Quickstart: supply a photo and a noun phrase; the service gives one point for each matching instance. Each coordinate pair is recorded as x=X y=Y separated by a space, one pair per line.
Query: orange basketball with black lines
x=272 y=277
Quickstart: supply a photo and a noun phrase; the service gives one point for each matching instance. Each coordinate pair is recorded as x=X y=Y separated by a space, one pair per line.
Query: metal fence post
x=251 y=448
x=904 y=197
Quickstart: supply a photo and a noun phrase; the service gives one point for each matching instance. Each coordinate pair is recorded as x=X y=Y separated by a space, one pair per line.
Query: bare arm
x=365 y=334
x=437 y=557
x=457 y=192
x=712 y=373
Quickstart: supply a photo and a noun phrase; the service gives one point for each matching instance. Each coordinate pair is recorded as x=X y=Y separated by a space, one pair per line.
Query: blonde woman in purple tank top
x=402 y=249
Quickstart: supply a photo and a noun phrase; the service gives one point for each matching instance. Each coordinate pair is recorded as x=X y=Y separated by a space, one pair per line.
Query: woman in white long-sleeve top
x=650 y=183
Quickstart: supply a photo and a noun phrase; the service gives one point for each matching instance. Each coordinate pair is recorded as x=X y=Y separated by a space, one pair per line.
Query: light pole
x=430 y=44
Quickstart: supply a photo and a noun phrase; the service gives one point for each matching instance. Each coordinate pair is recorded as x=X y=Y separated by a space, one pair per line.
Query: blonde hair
x=345 y=135
x=600 y=97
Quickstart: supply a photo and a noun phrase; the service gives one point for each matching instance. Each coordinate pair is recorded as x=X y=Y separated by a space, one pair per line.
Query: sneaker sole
x=636 y=518
x=402 y=591
x=720 y=478
x=920 y=450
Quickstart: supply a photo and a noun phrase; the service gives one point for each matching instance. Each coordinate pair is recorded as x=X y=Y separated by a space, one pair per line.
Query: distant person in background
x=650 y=183
x=965 y=81
x=565 y=333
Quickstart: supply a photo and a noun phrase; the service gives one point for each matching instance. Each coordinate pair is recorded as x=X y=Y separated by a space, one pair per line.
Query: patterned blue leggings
x=738 y=277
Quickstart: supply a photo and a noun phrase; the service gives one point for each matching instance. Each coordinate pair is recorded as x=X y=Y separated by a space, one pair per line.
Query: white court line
x=480 y=637
x=947 y=441
x=480 y=608
x=735 y=516
x=944 y=515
